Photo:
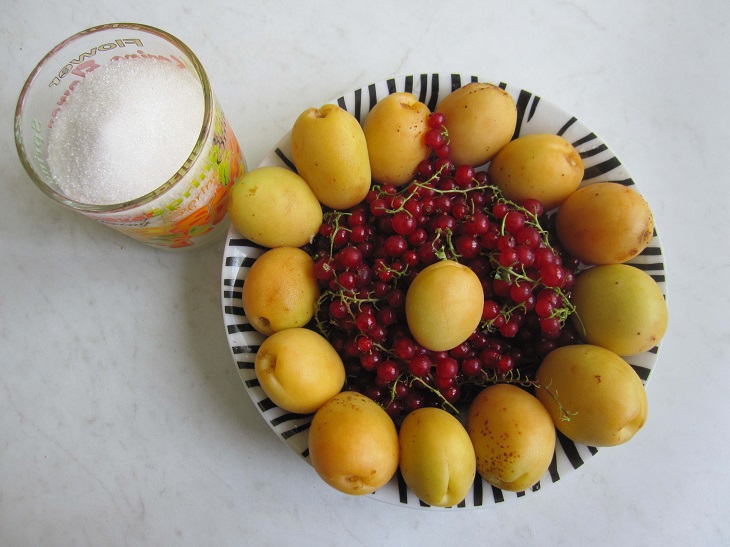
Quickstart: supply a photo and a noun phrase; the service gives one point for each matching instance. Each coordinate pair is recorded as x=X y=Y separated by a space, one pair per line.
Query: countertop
x=122 y=417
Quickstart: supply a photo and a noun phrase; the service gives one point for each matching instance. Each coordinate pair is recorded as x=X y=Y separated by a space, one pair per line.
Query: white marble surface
x=122 y=418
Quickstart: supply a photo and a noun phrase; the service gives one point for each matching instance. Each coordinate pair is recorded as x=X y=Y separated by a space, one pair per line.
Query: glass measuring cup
x=188 y=209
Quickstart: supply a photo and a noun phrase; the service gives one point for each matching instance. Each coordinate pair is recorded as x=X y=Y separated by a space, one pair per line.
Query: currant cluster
x=366 y=257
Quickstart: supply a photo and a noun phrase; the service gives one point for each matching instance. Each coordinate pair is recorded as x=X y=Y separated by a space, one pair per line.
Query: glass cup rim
x=169 y=183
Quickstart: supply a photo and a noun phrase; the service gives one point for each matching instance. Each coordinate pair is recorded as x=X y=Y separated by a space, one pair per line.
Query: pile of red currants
x=366 y=257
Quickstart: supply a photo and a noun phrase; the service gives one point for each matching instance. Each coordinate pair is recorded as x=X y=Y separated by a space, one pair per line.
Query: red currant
x=464 y=176
x=350 y=256
x=434 y=138
x=436 y=120
x=419 y=365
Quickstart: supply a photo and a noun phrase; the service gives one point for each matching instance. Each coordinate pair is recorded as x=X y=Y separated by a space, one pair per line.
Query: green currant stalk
x=409 y=191
x=509 y=273
x=565 y=414
x=530 y=217
x=440 y=191
x=442 y=249
x=336 y=215
x=349 y=300
x=488 y=325
x=383 y=349
x=410 y=379
x=435 y=391
x=514 y=377
x=321 y=325
x=396 y=273
x=406 y=197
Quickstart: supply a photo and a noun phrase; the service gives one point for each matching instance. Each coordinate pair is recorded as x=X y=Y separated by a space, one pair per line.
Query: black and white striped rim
x=535 y=115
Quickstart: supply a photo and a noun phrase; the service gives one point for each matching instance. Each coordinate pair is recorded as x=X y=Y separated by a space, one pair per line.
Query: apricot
x=481 y=119
x=330 y=153
x=444 y=305
x=437 y=458
x=280 y=290
x=619 y=307
x=353 y=444
x=542 y=166
x=395 y=132
x=600 y=394
x=299 y=370
x=513 y=437
x=604 y=223
x=274 y=207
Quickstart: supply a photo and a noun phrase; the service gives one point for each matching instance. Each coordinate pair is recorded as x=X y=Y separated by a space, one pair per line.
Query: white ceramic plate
x=535 y=115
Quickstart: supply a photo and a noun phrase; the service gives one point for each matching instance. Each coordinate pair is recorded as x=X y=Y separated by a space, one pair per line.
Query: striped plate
x=535 y=115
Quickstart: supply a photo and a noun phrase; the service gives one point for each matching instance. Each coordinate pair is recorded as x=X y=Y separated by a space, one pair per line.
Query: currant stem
x=514 y=377
x=565 y=414
x=435 y=391
x=441 y=250
x=336 y=216
x=531 y=218
x=347 y=299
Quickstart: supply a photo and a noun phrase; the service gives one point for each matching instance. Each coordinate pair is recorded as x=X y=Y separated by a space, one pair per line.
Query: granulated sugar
x=125 y=130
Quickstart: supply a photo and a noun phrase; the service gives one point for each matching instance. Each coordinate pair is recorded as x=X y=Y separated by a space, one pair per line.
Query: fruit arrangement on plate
x=446 y=294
